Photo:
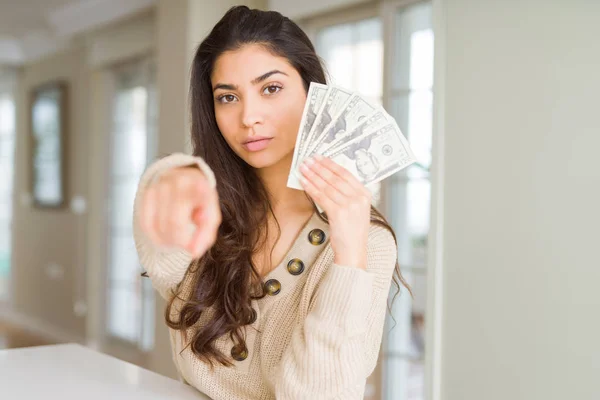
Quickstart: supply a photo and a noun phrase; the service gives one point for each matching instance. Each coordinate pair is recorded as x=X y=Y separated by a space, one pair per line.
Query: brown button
x=295 y=266
x=316 y=237
x=253 y=317
x=272 y=287
x=239 y=352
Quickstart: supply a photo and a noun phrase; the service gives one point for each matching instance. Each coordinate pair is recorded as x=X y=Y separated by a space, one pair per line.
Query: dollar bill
x=375 y=156
x=352 y=113
x=314 y=101
x=378 y=119
x=335 y=99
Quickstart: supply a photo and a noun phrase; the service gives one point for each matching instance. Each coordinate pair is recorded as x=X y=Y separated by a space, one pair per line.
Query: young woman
x=267 y=298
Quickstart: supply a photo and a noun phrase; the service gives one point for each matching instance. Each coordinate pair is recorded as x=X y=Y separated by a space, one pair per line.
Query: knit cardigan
x=317 y=338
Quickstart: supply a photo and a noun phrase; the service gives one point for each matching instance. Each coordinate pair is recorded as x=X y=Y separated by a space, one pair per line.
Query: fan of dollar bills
x=356 y=134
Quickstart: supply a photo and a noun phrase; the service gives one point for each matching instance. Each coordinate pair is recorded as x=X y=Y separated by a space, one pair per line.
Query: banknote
x=378 y=119
x=335 y=99
x=314 y=100
x=352 y=113
x=356 y=134
x=375 y=156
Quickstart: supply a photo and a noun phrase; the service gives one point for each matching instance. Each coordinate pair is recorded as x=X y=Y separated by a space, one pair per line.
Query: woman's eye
x=227 y=98
x=272 y=89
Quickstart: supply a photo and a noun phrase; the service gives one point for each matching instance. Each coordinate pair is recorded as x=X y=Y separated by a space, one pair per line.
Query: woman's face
x=259 y=99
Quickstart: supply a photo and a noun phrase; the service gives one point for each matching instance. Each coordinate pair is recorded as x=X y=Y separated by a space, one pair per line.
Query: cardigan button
x=272 y=287
x=239 y=352
x=295 y=266
x=316 y=237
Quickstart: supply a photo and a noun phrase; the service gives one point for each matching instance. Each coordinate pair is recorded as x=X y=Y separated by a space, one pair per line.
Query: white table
x=74 y=372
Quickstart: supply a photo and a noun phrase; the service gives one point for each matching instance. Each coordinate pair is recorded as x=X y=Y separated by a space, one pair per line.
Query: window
x=130 y=305
x=353 y=55
x=353 y=51
x=408 y=197
x=7 y=147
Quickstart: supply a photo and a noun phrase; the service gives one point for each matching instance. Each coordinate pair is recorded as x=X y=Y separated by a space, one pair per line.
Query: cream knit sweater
x=318 y=338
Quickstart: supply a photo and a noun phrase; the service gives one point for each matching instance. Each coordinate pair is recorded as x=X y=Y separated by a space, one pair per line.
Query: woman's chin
x=264 y=160
x=260 y=161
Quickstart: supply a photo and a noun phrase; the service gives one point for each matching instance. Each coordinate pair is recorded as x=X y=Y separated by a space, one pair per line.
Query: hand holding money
x=347 y=203
x=352 y=132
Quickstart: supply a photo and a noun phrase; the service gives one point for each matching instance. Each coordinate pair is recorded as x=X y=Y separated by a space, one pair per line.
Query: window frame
x=8 y=87
x=432 y=269
x=134 y=351
x=387 y=10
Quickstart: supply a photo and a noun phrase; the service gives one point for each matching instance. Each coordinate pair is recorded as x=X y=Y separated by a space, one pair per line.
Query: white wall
x=300 y=9
x=48 y=254
x=521 y=136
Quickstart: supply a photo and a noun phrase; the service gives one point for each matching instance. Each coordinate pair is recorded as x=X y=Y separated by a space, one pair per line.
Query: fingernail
x=309 y=161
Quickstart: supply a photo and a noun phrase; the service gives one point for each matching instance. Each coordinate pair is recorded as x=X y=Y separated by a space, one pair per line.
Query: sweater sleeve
x=166 y=267
x=333 y=353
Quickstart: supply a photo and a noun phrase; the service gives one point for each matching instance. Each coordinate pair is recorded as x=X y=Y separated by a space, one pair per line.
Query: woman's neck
x=284 y=199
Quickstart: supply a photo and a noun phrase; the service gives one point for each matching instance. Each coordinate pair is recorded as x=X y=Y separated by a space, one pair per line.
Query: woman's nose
x=252 y=115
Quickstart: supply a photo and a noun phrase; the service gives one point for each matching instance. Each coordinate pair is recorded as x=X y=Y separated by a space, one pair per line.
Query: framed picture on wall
x=48 y=120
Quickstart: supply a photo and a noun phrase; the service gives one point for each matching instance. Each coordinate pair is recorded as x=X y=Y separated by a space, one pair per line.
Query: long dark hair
x=225 y=278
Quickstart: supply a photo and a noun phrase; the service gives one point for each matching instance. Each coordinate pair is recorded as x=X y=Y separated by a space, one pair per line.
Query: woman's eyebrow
x=229 y=86
x=265 y=76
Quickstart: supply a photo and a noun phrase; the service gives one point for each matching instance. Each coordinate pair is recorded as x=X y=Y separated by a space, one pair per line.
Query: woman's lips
x=257 y=145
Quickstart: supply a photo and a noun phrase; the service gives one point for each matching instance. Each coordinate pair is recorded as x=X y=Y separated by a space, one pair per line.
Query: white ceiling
x=18 y=17
x=30 y=29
